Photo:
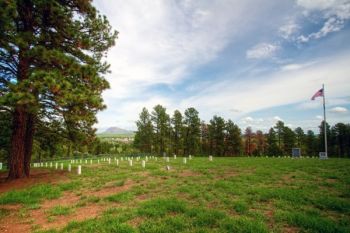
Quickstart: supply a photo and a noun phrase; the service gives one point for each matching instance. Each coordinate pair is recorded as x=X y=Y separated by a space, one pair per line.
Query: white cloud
x=339 y=8
x=251 y=121
x=275 y=89
x=338 y=110
x=295 y=66
x=262 y=50
x=163 y=42
x=319 y=117
x=159 y=41
x=288 y=30
x=277 y=118
x=318 y=103
x=248 y=119
x=334 y=12
x=331 y=25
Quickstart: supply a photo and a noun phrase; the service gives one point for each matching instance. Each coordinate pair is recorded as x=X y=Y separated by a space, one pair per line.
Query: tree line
x=185 y=134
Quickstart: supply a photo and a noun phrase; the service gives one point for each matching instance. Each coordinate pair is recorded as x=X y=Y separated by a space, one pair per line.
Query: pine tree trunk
x=16 y=165
x=29 y=143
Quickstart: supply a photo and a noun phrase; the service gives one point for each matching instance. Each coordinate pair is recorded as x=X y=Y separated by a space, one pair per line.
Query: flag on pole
x=317 y=94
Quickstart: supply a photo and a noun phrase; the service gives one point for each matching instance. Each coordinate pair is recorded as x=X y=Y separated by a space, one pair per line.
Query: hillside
x=116 y=130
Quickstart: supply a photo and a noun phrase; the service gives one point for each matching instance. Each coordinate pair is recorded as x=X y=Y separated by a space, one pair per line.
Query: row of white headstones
x=109 y=160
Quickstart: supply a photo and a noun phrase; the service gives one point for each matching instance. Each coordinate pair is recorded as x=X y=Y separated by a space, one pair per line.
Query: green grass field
x=226 y=195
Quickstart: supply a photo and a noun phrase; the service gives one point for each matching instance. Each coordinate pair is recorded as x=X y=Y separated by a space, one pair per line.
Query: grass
x=226 y=195
x=60 y=210
x=32 y=195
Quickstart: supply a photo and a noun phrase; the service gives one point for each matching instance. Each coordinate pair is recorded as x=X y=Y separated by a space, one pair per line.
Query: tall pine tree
x=50 y=68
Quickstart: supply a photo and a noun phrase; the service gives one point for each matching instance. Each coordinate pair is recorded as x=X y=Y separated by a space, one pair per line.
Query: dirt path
x=37 y=176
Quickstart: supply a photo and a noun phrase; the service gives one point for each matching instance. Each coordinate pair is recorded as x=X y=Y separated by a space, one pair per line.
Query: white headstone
x=61 y=166
x=79 y=170
x=109 y=161
x=0 y=166
x=190 y=157
x=45 y=164
x=69 y=167
x=90 y=161
x=185 y=160
x=174 y=156
x=167 y=167
x=130 y=162
x=50 y=164
x=323 y=155
x=56 y=165
x=41 y=164
x=98 y=161
x=167 y=159
x=143 y=163
x=117 y=162
x=210 y=158
x=156 y=158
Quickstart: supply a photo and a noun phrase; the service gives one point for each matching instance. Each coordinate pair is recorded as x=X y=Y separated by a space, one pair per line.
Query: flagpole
x=324 y=121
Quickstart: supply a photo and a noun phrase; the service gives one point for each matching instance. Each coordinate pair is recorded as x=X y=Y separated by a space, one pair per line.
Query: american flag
x=317 y=94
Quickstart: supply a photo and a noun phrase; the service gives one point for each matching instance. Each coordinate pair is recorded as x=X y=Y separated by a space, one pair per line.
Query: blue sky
x=251 y=61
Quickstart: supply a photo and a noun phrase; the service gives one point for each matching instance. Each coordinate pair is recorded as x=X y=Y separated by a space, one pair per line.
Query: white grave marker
x=143 y=164
x=174 y=156
x=69 y=167
x=79 y=170
x=130 y=163
x=117 y=162
x=210 y=158
x=56 y=165
x=185 y=160
x=0 y=166
x=167 y=159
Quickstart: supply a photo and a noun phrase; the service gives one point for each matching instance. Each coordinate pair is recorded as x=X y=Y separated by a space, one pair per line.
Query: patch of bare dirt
x=109 y=190
x=189 y=173
x=12 y=223
x=37 y=176
x=67 y=199
x=289 y=229
x=142 y=197
x=135 y=222
x=80 y=214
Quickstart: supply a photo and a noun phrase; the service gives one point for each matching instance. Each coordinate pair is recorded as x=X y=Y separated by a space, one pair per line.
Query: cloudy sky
x=252 y=61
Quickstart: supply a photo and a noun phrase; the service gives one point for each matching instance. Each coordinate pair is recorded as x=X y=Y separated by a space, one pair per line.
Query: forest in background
x=184 y=134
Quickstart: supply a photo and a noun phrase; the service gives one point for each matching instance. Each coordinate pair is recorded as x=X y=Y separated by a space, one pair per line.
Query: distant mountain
x=117 y=130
